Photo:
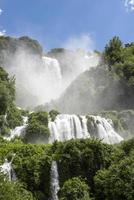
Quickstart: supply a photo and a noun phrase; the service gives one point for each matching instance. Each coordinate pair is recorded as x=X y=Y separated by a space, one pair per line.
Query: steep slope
x=92 y=91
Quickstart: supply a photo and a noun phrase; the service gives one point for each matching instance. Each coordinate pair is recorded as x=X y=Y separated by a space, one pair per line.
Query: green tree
x=53 y=114
x=7 y=91
x=117 y=182
x=37 y=129
x=74 y=189
x=14 y=117
x=13 y=191
x=113 y=51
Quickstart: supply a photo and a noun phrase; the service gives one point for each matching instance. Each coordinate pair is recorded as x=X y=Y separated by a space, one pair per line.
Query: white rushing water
x=54 y=181
x=6 y=169
x=52 y=66
x=105 y=131
x=18 y=131
x=66 y=127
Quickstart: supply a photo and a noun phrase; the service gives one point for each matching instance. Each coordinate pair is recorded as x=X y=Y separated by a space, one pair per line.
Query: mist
x=42 y=79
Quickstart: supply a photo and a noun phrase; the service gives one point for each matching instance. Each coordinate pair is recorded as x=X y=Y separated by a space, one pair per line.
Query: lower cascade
x=7 y=170
x=54 y=181
x=66 y=127
x=18 y=131
x=105 y=130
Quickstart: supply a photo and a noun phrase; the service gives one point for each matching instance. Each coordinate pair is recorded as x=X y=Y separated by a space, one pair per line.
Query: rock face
x=9 y=46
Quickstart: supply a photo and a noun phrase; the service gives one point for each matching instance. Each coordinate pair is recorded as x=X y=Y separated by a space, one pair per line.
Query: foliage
x=7 y=91
x=36 y=133
x=122 y=121
x=85 y=167
x=82 y=158
x=30 y=44
x=118 y=123
x=53 y=114
x=107 y=170
x=37 y=129
x=117 y=182
x=13 y=191
x=74 y=189
x=14 y=117
x=10 y=116
x=121 y=59
x=113 y=50
x=41 y=117
x=10 y=45
x=32 y=165
x=56 y=51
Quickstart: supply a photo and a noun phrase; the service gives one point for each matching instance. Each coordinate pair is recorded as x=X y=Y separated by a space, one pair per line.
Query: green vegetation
x=13 y=191
x=31 y=45
x=37 y=130
x=32 y=165
x=82 y=158
x=122 y=121
x=88 y=169
x=113 y=51
x=120 y=58
x=10 y=45
x=109 y=86
x=14 y=117
x=53 y=114
x=10 y=115
x=74 y=189
x=116 y=182
x=7 y=91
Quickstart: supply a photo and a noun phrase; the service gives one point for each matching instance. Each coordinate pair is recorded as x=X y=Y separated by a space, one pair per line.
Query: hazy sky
x=54 y=22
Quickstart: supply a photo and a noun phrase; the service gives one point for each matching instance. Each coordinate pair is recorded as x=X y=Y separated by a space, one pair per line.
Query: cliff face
x=9 y=46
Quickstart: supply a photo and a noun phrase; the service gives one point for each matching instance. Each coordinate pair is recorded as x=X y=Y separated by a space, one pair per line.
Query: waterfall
x=84 y=127
x=54 y=181
x=105 y=130
x=66 y=127
x=7 y=169
x=53 y=66
x=51 y=78
x=18 y=131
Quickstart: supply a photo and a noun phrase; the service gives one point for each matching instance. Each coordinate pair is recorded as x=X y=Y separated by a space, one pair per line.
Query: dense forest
x=84 y=168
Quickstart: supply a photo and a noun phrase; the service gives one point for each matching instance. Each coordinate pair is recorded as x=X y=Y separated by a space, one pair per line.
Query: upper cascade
x=53 y=66
x=66 y=127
